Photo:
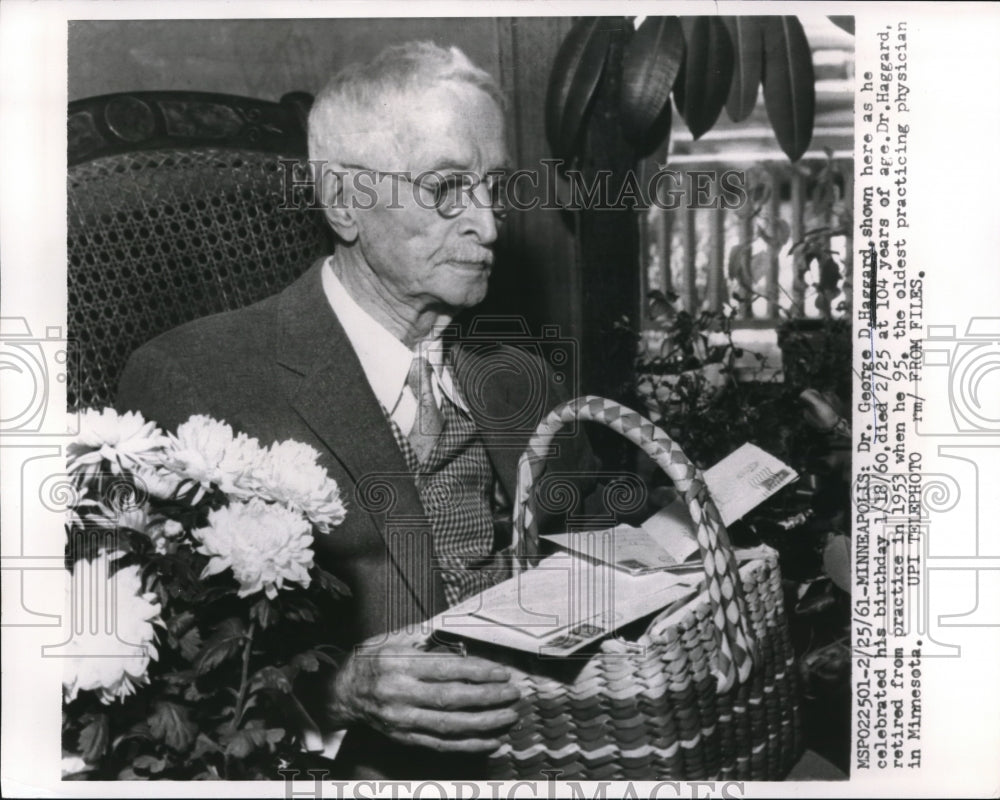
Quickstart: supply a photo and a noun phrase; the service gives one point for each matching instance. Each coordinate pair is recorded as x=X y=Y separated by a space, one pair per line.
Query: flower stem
x=242 y=696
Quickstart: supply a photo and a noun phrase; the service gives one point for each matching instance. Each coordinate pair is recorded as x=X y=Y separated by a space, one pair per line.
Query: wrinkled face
x=422 y=259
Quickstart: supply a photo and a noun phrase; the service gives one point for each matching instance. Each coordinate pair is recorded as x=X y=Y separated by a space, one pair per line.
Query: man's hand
x=442 y=701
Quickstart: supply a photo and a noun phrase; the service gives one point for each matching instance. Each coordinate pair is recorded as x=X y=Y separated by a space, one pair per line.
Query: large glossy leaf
x=789 y=84
x=748 y=64
x=650 y=66
x=837 y=561
x=576 y=73
x=703 y=86
x=844 y=23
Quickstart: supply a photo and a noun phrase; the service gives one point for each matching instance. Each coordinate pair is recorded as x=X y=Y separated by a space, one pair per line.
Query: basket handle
x=721 y=572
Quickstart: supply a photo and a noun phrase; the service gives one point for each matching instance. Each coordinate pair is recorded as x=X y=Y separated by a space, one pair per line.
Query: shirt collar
x=384 y=359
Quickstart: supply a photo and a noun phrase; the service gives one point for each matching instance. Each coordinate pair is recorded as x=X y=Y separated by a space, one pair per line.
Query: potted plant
x=684 y=358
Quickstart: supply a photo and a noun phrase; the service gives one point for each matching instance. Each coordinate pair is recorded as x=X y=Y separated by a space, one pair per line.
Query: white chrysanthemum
x=126 y=441
x=205 y=452
x=134 y=519
x=239 y=467
x=157 y=481
x=165 y=534
x=290 y=474
x=113 y=640
x=264 y=545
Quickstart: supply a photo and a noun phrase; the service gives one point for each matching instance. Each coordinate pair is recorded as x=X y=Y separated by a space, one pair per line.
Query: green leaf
x=829 y=275
x=330 y=583
x=172 y=723
x=192 y=693
x=747 y=38
x=844 y=23
x=299 y=609
x=270 y=678
x=190 y=644
x=306 y=662
x=652 y=61
x=129 y=774
x=264 y=612
x=701 y=91
x=202 y=745
x=760 y=263
x=576 y=73
x=181 y=623
x=251 y=738
x=94 y=738
x=149 y=764
x=224 y=642
x=789 y=84
x=737 y=255
x=781 y=232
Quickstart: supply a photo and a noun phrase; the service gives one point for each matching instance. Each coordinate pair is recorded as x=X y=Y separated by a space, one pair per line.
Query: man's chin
x=470 y=285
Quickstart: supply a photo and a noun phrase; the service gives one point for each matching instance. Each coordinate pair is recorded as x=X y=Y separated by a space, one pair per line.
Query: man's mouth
x=471 y=265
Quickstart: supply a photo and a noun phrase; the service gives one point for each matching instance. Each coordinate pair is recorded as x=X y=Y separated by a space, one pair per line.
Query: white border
x=955 y=69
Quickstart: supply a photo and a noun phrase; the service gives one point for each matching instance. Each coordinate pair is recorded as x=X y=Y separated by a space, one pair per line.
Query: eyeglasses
x=451 y=194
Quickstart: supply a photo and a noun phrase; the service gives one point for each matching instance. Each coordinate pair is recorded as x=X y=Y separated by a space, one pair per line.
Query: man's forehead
x=450 y=126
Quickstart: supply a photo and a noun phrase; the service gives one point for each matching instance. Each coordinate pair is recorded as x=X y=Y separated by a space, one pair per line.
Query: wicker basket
x=710 y=690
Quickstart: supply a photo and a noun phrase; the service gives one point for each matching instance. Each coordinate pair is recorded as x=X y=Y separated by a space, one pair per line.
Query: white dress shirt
x=386 y=362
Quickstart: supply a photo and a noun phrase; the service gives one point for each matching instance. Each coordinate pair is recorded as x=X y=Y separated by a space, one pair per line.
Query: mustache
x=471 y=253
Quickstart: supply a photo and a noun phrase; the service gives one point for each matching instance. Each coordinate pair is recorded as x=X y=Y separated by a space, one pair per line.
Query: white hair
x=351 y=116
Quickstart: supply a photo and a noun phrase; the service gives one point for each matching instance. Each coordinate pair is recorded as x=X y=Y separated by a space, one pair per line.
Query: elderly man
x=350 y=360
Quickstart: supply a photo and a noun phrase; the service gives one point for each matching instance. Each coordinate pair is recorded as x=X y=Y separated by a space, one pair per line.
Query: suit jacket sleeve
x=157 y=385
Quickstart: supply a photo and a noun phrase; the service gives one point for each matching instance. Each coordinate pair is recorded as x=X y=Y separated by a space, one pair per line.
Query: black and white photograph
x=455 y=399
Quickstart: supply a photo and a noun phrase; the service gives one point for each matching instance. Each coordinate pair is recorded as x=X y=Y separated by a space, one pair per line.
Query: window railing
x=762 y=241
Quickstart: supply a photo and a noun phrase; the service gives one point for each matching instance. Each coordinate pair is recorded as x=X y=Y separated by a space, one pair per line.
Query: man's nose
x=479 y=216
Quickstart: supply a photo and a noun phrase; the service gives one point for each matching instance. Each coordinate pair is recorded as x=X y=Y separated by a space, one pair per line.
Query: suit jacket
x=284 y=368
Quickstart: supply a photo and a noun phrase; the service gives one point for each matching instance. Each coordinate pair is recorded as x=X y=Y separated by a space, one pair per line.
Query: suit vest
x=459 y=492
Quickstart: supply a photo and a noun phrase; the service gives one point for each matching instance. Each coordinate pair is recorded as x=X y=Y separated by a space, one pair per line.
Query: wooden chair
x=178 y=207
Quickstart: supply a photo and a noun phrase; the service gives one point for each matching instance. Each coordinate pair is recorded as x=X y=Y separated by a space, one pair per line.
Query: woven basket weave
x=708 y=692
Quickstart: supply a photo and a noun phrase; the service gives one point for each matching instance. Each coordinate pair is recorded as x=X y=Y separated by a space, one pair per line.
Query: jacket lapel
x=490 y=405
x=334 y=398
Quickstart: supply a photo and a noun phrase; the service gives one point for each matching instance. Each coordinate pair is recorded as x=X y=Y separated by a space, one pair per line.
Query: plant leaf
x=221 y=645
x=172 y=724
x=270 y=678
x=243 y=742
x=737 y=254
x=576 y=72
x=264 y=612
x=760 y=263
x=701 y=91
x=747 y=38
x=844 y=23
x=330 y=583
x=149 y=764
x=829 y=275
x=179 y=624
x=305 y=662
x=190 y=644
x=299 y=609
x=789 y=84
x=652 y=61
x=94 y=737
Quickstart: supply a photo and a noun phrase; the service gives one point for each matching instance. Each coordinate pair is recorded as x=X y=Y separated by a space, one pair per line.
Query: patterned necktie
x=429 y=421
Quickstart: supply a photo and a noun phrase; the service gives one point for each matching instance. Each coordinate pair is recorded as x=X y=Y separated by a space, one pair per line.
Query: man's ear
x=336 y=203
